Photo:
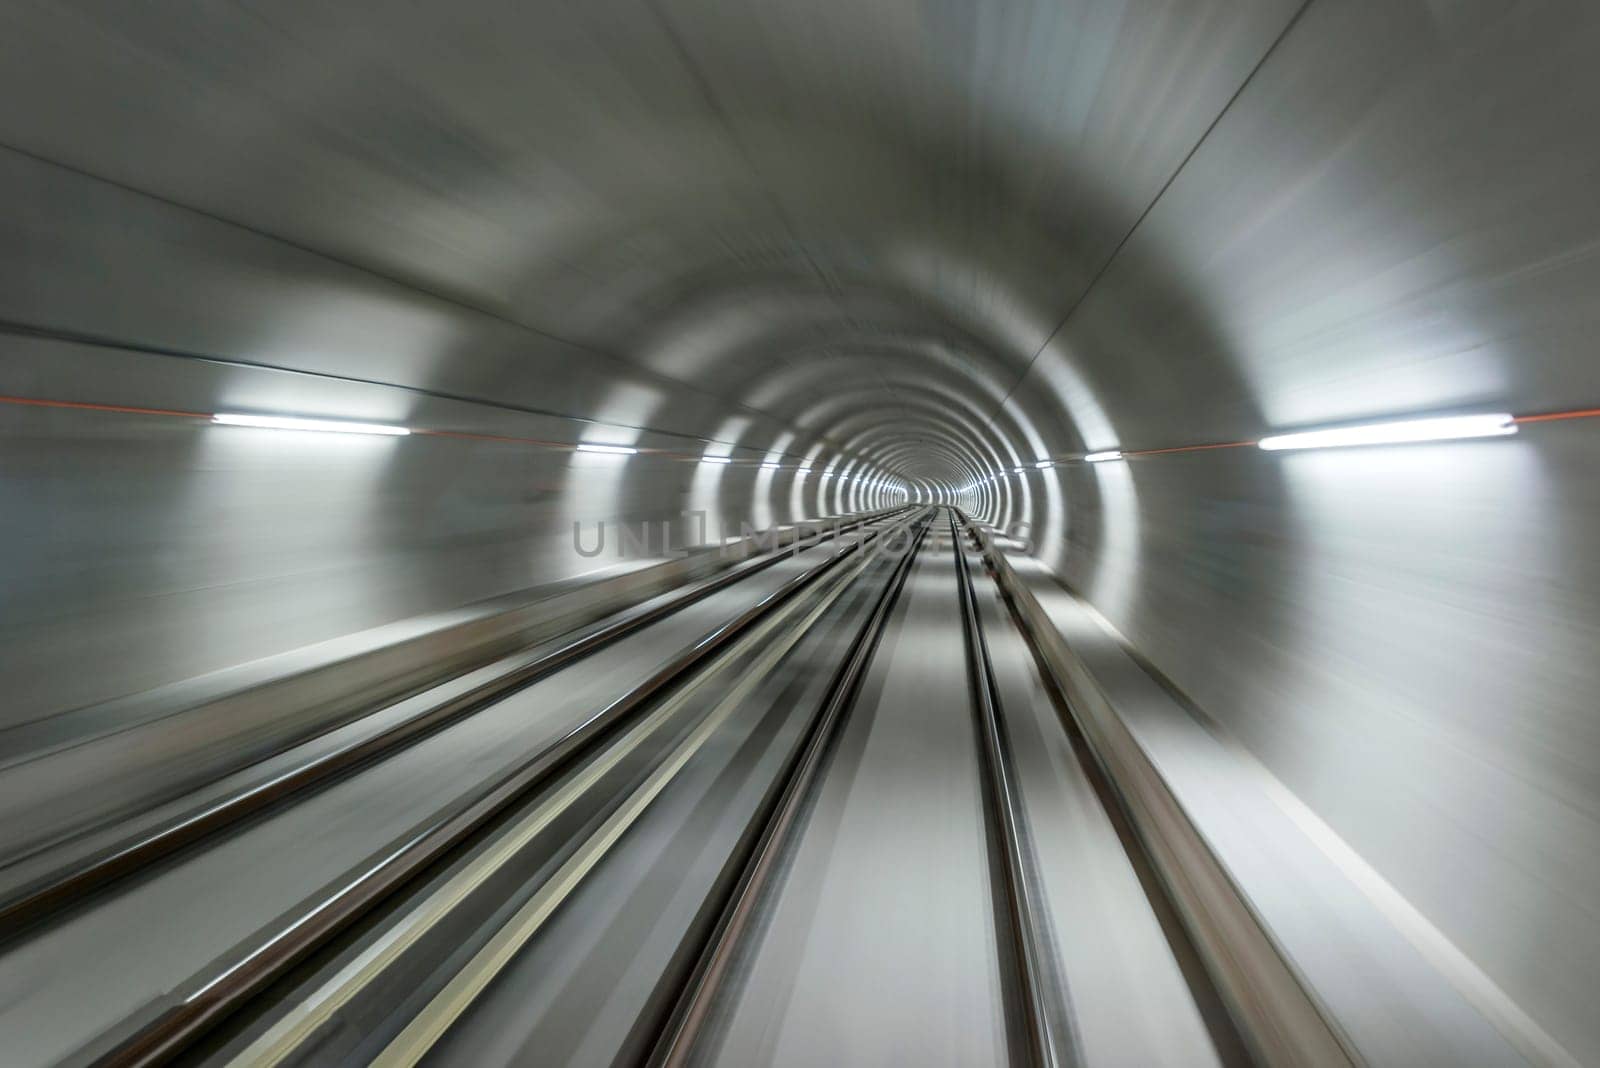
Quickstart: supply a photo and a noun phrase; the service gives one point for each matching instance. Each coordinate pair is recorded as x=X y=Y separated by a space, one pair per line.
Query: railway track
x=829 y=798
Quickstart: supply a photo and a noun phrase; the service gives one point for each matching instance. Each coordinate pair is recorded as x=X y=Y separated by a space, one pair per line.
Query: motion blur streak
x=1295 y=749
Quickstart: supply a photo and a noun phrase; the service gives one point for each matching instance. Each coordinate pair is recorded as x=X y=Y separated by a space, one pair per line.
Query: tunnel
x=800 y=532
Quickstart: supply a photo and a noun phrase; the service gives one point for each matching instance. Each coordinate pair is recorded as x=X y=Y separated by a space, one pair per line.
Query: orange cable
x=35 y=402
x=1551 y=417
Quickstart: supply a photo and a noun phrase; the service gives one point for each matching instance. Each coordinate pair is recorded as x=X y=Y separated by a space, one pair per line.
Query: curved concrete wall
x=145 y=549
x=936 y=242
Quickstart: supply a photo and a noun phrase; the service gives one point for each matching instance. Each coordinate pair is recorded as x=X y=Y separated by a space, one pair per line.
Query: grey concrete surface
x=880 y=947
x=594 y=984
x=946 y=238
x=1392 y=988
x=1129 y=1000
x=76 y=979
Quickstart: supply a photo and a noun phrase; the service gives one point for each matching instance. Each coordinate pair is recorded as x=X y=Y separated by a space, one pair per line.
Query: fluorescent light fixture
x=769 y=466
x=1018 y=470
x=805 y=465
x=1042 y=464
x=616 y=450
x=1408 y=430
x=329 y=426
x=714 y=460
x=1102 y=457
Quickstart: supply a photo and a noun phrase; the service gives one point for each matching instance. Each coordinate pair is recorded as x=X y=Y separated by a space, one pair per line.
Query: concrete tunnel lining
x=938 y=242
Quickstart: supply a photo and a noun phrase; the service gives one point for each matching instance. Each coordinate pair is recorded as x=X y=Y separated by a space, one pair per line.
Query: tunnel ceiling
x=946 y=235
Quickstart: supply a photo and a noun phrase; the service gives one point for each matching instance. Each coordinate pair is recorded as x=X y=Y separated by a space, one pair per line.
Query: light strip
x=329 y=426
x=1397 y=432
x=715 y=460
x=1409 y=430
x=769 y=466
x=1042 y=464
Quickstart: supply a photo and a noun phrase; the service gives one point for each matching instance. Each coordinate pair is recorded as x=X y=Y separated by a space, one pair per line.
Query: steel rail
x=1050 y=1039
x=770 y=642
x=56 y=890
x=214 y=998
x=778 y=821
x=754 y=655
